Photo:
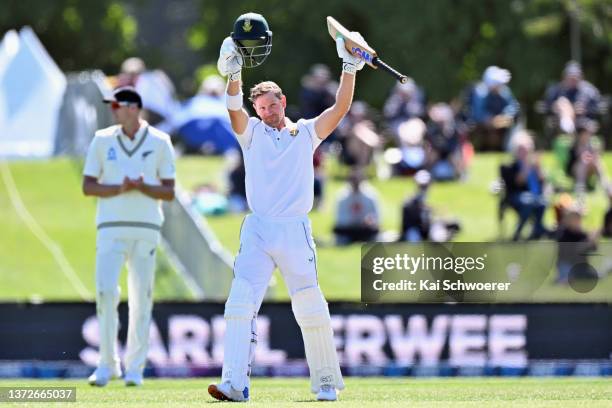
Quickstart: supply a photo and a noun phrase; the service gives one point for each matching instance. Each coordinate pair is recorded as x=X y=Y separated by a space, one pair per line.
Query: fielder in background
x=129 y=167
x=279 y=185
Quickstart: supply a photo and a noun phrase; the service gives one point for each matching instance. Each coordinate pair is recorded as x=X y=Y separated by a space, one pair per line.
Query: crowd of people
x=410 y=137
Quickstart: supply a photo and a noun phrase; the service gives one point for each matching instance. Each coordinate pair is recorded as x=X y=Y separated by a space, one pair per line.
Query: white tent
x=31 y=93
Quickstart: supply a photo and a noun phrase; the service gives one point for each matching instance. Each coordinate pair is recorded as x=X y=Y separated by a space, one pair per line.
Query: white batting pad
x=311 y=312
x=239 y=334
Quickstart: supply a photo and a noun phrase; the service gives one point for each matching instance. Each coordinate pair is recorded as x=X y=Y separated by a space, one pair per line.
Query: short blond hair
x=263 y=88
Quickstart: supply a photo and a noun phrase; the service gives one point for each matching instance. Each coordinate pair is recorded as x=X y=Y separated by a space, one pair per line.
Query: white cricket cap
x=495 y=76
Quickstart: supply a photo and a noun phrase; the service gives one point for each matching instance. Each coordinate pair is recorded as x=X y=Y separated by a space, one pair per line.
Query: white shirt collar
x=139 y=133
x=288 y=124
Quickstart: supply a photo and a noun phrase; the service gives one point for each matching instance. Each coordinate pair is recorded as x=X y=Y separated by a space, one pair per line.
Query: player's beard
x=273 y=120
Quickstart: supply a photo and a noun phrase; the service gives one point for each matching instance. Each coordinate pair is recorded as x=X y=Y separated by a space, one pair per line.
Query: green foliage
x=78 y=34
x=204 y=72
x=444 y=45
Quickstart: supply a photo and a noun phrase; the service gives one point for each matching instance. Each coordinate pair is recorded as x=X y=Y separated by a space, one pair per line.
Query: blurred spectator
x=358 y=136
x=492 y=109
x=416 y=214
x=606 y=230
x=214 y=87
x=418 y=223
x=236 y=194
x=158 y=92
x=412 y=153
x=574 y=245
x=572 y=100
x=524 y=183
x=584 y=163
x=318 y=91
x=318 y=161
x=207 y=200
x=406 y=101
x=444 y=154
x=357 y=212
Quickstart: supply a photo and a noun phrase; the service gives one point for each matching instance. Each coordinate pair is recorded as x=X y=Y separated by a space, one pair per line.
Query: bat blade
x=359 y=48
x=353 y=44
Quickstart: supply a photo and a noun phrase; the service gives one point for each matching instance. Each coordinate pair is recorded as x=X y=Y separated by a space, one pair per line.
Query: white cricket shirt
x=279 y=170
x=111 y=157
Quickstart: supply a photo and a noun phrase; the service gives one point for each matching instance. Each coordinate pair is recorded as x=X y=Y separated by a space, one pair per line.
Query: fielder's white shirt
x=279 y=169
x=111 y=157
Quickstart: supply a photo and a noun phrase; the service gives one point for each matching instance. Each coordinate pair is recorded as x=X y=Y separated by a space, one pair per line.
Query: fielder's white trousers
x=286 y=243
x=111 y=255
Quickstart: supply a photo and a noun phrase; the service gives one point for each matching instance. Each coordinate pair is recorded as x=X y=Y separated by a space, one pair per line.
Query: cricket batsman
x=279 y=185
x=129 y=168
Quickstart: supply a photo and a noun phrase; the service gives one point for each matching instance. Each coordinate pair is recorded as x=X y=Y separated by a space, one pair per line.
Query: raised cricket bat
x=359 y=48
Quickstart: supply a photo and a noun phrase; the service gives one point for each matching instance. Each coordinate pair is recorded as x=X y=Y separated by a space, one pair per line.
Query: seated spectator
x=416 y=214
x=357 y=212
x=318 y=163
x=606 y=230
x=318 y=91
x=412 y=153
x=358 y=136
x=155 y=87
x=207 y=200
x=236 y=194
x=584 y=163
x=572 y=100
x=574 y=245
x=492 y=110
x=524 y=182
x=444 y=155
x=406 y=101
x=418 y=224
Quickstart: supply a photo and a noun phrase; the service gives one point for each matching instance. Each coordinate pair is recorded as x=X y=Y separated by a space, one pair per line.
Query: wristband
x=235 y=76
x=233 y=102
x=349 y=68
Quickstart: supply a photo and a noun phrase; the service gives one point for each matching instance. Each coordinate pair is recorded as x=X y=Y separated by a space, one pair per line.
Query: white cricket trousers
x=111 y=255
x=283 y=242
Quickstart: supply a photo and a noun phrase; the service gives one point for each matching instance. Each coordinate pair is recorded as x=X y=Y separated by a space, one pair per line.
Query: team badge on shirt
x=111 y=154
x=294 y=131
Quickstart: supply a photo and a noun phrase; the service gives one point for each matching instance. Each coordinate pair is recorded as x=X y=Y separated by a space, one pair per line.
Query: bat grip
x=380 y=63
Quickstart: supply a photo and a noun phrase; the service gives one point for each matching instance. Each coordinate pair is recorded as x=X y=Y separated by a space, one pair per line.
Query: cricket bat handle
x=380 y=63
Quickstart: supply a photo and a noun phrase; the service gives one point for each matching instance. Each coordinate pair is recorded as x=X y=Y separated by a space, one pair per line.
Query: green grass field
x=360 y=392
x=50 y=191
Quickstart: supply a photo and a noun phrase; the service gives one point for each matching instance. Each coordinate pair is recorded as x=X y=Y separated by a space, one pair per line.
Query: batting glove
x=230 y=60
x=350 y=63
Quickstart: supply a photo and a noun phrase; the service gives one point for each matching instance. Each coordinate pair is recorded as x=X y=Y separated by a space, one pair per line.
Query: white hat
x=213 y=85
x=411 y=132
x=133 y=65
x=573 y=69
x=422 y=177
x=495 y=76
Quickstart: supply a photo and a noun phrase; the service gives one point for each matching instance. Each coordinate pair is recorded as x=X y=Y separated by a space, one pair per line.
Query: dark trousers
x=357 y=233
x=528 y=206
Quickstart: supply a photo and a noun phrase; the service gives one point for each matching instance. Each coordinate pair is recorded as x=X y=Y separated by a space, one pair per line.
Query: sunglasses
x=116 y=105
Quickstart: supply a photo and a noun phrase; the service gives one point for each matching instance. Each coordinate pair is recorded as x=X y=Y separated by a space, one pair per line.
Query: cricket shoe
x=102 y=375
x=133 y=379
x=225 y=392
x=327 y=393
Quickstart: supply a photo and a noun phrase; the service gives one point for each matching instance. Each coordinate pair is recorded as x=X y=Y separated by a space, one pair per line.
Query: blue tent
x=203 y=124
